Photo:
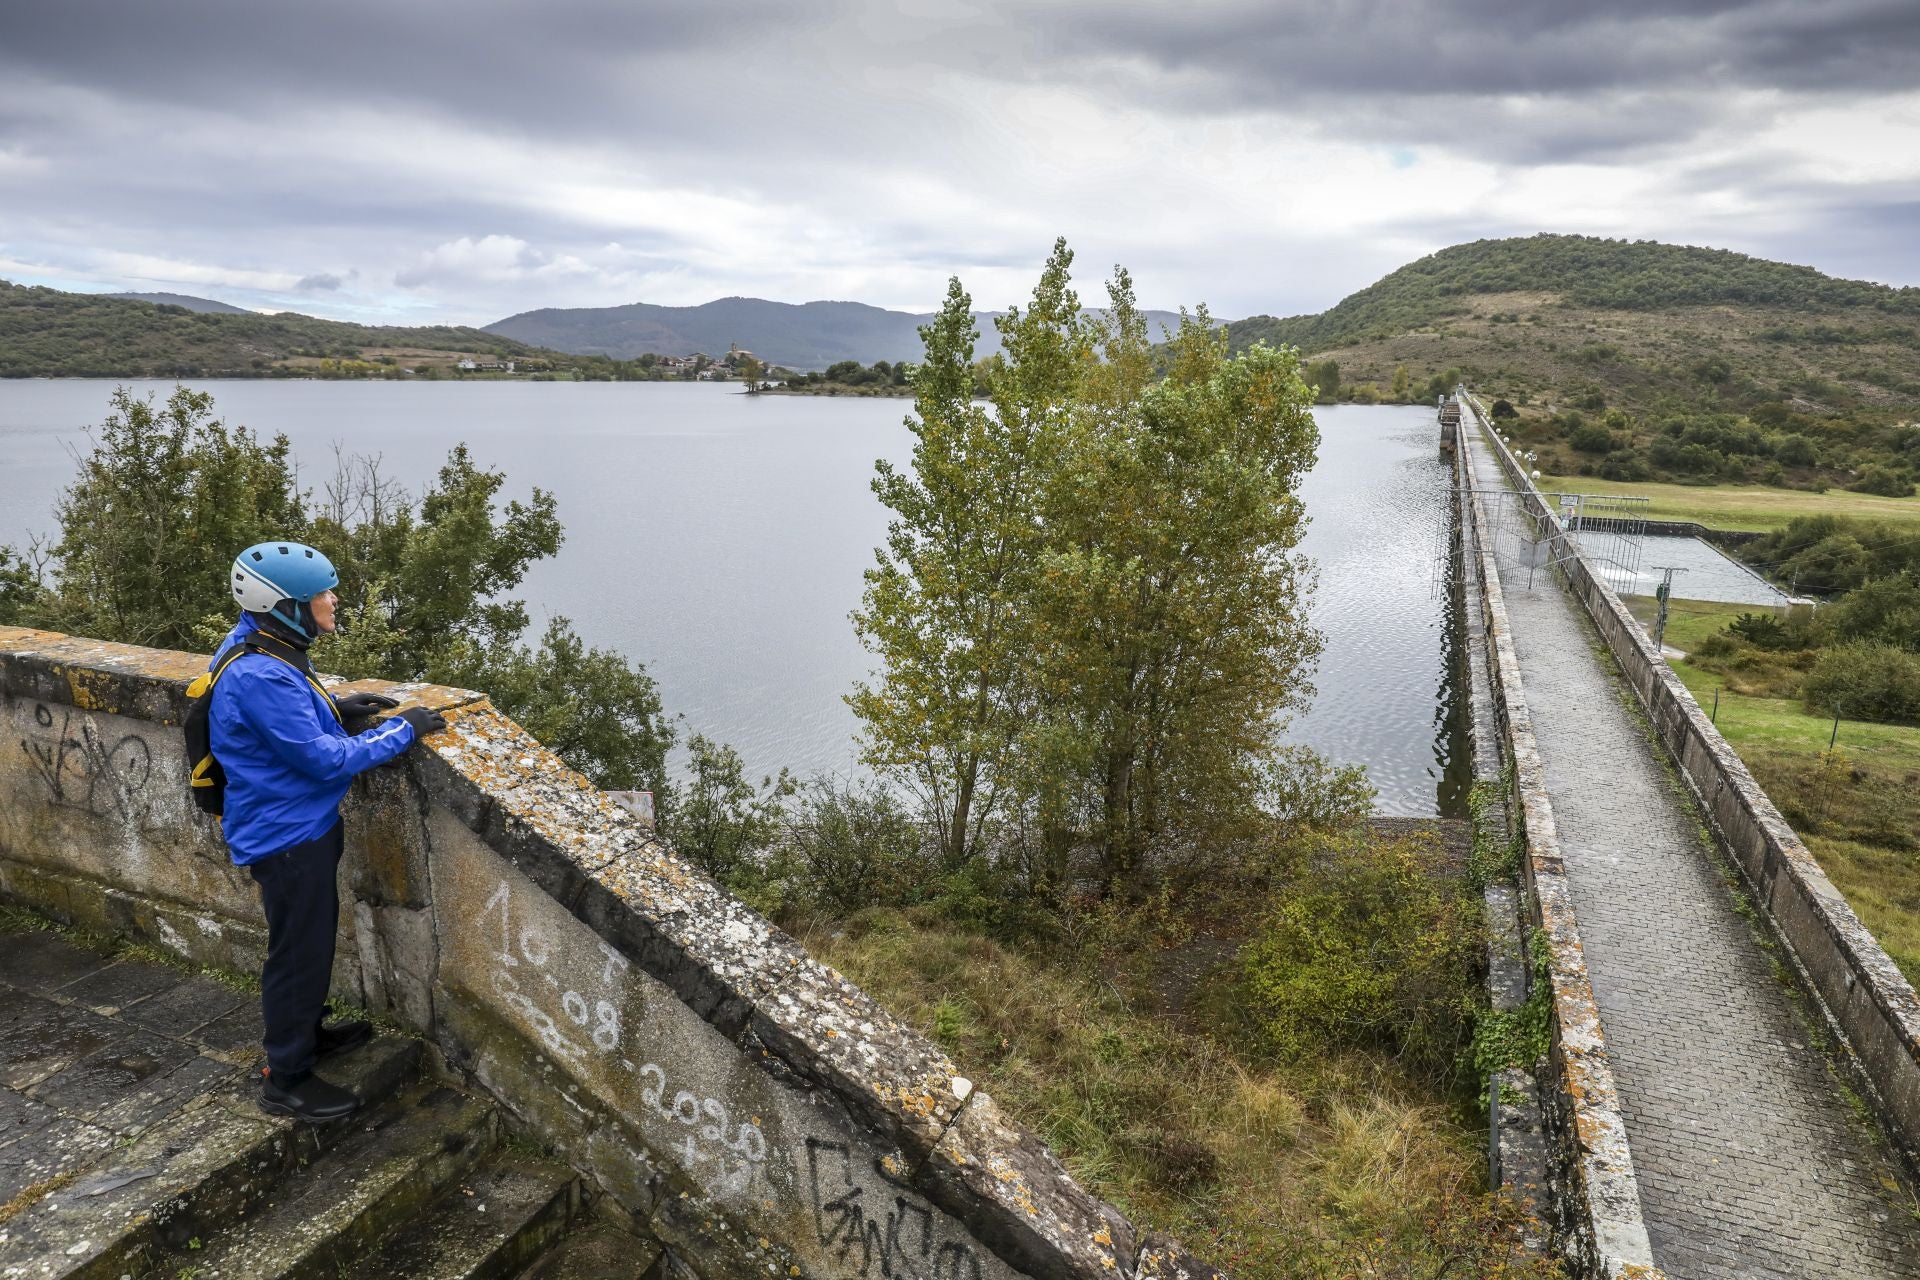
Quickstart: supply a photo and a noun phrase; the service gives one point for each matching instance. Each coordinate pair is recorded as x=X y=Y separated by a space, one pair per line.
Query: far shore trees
x=1089 y=611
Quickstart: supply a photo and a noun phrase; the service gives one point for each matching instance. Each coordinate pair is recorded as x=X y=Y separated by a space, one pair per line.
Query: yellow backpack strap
x=204 y=682
x=308 y=677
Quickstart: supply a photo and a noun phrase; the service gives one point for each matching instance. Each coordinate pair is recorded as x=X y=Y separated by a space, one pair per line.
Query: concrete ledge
x=1599 y=1224
x=703 y=1071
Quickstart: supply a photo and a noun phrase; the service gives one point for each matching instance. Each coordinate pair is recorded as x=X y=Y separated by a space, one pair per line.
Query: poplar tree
x=1089 y=612
x=1173 y=608
x=948 y=604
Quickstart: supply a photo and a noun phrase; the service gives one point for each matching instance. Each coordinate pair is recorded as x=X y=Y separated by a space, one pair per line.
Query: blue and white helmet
x=280 y=578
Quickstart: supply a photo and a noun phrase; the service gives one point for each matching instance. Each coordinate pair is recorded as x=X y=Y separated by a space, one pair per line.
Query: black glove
x=358 y=706
x=424 y=721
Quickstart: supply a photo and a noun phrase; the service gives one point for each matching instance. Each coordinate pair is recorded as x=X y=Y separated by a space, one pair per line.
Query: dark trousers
x=300 y=889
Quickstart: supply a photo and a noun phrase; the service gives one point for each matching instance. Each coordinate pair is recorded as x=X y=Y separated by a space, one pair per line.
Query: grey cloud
x=187 y=131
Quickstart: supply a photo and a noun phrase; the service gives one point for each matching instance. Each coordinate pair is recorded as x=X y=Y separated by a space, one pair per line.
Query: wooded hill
x=49 y=333
x=1639 y=360
x=803 y=335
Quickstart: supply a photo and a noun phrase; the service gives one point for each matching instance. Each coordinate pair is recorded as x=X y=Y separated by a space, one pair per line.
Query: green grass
x=1858 y=808
x=1742 y=506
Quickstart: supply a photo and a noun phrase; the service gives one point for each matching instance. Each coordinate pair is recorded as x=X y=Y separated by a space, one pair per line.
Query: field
x=1742 y=506
x=1857 y=808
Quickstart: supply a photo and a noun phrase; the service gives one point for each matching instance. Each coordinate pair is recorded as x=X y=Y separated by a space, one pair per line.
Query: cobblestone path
x=1750 y=1164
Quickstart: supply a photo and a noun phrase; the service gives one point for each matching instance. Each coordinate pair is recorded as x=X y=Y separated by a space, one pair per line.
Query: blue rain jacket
x=287 y=758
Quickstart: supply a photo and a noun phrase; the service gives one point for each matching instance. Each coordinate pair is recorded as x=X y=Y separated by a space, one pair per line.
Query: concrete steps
x=187 y=1176
x=596 y=1252
x=501 y=1216
x=378 y=1175
x=130 y=1148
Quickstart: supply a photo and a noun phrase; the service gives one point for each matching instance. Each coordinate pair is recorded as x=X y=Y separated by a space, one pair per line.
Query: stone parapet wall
x=1597 y=1214
x=733 y=1095
x=1862 y=994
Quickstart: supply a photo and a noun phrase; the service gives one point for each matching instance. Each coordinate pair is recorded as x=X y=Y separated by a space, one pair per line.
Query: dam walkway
x=1750 y=1160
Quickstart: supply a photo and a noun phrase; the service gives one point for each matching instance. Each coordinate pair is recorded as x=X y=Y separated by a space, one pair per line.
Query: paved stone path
x=1750 y=1165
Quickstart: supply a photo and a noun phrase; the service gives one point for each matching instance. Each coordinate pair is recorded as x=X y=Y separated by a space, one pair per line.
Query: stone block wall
x=740 y=1100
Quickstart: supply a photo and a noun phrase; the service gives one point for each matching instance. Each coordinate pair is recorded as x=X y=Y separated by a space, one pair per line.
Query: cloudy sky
x=425 y=161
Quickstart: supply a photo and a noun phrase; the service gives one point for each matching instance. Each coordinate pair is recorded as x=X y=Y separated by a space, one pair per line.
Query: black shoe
x=309 y=1098
x=340 y=1037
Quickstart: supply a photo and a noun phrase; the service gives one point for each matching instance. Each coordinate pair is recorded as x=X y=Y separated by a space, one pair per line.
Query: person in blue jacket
x=289 y=758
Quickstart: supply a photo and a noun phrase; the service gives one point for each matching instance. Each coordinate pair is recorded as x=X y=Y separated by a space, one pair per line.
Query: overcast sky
x=420 y=161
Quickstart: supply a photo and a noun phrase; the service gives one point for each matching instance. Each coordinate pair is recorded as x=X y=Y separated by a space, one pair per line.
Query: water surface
x=720 y=538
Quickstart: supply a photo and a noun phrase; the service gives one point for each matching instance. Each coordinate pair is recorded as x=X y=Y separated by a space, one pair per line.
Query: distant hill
x=806 y=335
x=809 y=335
x=1581 y=271
x=186 y=300
x=1634 y=360
x=45 y=332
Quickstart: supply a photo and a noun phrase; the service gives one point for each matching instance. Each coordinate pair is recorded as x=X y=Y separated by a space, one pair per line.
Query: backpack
x=207 y=782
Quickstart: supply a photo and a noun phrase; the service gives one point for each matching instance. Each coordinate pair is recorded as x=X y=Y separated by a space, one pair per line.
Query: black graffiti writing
x=904 y=1244
x=83 y=771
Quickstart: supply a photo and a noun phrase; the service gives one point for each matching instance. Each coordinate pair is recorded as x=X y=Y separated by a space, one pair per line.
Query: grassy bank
x=1857 y=807
x=1742 y=506
x=1338 y=1164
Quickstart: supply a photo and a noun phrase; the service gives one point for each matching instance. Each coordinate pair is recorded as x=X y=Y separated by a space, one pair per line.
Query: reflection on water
x=721 y=538
x=1379 y=502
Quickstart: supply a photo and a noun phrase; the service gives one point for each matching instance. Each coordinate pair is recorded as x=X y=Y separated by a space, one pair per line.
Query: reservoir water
x=720 y=538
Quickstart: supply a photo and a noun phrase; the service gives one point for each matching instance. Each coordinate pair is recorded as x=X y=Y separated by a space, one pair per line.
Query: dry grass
x=1334 y=1168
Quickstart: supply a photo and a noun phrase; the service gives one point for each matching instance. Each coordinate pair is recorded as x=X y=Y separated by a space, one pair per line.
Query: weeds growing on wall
x=1519 y=1037
x=1495 y=854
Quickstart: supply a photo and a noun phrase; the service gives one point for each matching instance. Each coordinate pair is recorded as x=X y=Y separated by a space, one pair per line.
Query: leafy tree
x=940 y=608
x=723 y=823
x=1087 y=612
x=436 y=575
x=168 y=496
x=1402 y=384
x=753 y=373
x=19 y=588
x=1171 y=616
x=165 y=499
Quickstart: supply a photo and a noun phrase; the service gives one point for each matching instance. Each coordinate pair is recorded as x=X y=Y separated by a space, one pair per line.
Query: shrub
x=1592 y=438
x=1502 y=409
x=1883 y=482
x=1761 y=630
x=720 y=821
x=1626 y=465
x=1794 y=451
x=1373 y=946
x=1884 y=611
x=1865 y=682
x=852 y=845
